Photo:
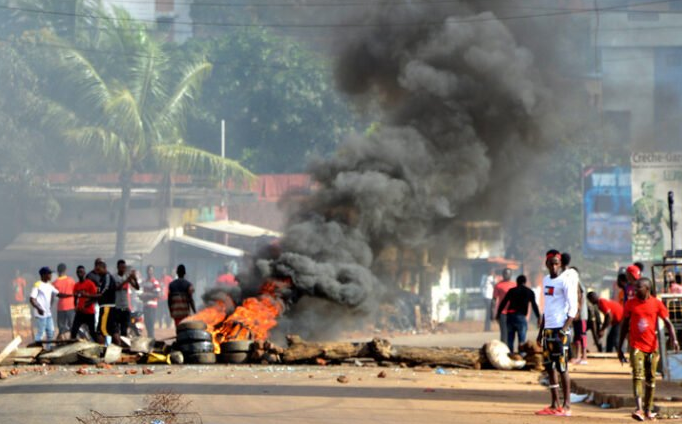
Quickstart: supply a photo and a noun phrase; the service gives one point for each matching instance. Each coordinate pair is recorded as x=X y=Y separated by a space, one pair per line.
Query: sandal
x=547 y=411
x=638 y=415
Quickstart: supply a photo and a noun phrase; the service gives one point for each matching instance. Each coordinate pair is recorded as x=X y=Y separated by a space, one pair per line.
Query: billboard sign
x=653 y=176
x=607 y=213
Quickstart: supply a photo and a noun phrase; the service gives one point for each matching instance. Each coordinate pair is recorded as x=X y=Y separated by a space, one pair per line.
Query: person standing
x=613 y=315
x=124 y=279
x=106 y=297
x=42 y=297
x=518 y=299
x=487 y=287
x=561 y=306
x=181 y=297
x=499 y=292
x=640 y=319
x=151 y=291
x=66 y=307
x=85 y=292
x=163 y=311
x=19 y=288
x=632 y=273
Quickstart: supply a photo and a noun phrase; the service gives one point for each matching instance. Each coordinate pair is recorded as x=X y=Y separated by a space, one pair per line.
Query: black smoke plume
x=463 y=109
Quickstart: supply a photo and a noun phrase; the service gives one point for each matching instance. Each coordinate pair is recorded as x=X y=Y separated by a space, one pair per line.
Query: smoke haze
x=464 y=108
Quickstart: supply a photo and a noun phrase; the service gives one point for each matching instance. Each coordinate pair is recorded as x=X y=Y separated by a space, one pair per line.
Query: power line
x=124 y=54
x=346 y=25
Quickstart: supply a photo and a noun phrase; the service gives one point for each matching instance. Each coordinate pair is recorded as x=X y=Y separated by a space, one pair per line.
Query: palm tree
x=133 y=116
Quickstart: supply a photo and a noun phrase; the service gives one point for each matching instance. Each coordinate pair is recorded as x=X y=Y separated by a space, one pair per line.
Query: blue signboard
x=607 y=211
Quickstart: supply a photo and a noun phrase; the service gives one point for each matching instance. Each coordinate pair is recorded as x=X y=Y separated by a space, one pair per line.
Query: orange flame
x=252 y=320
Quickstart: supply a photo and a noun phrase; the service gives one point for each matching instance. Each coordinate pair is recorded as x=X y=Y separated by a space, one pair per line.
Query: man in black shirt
x=518 y=299
x=106 y=297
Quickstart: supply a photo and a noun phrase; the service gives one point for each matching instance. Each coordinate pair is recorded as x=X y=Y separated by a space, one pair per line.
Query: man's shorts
x=106 y=325
x=65 y=320
x=555 y=347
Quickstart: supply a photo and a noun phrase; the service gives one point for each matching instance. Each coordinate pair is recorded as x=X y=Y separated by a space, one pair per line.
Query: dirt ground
x=275 y=394
x=300 y=394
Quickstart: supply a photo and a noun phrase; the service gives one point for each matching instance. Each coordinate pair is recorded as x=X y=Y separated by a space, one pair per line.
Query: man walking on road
x=561 y=306
x=180 y=297
x=518 y=299
x=65 y=306
x=499 y=293
x=640 y=319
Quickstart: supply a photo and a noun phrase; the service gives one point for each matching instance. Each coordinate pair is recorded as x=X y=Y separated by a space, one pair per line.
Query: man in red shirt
x=226 y=278
x=613 y=315
x=499 y=292
x=640 y=319
x=85 y=292
x=66 y=305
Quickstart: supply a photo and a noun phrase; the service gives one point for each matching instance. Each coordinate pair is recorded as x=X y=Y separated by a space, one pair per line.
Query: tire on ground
x=195 y=347
x=190 y=336
x=200 y=358
x=191 y=325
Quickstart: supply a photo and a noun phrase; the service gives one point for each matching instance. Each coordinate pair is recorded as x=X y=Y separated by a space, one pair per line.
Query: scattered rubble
x=343 y=379
x=382 y=374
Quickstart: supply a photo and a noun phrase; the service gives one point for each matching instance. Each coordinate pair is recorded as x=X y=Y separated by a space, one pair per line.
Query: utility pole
x=672 y=224
x=222 y=155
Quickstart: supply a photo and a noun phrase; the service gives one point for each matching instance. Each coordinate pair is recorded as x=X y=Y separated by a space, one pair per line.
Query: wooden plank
x=11 y=347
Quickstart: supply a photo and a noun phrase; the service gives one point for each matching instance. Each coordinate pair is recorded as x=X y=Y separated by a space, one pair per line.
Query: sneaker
x=547 y=411
x=650 y=415
x=638 y=415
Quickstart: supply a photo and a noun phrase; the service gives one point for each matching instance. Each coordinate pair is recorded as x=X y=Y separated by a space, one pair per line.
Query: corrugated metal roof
x=209 y=246
x=238 y=228
x=67 y=246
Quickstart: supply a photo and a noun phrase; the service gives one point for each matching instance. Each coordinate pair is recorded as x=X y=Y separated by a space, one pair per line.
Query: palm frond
x=125 y=119
x=101 y=141
x=181 y=158
x=185 y=91
x=81 y=73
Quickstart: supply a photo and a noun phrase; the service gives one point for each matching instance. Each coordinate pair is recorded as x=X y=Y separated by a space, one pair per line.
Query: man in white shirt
x=487 y=286
x=561 y=306
x=42 y=297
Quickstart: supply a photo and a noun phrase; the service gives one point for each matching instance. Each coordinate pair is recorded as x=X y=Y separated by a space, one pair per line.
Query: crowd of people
x=104 y=306
x=570 y=310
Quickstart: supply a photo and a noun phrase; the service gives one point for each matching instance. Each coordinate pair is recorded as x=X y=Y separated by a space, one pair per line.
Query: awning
x=237 y=228
x=73 y=246
x=209 y=246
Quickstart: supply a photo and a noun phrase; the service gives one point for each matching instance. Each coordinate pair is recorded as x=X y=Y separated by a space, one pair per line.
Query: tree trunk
x=381 y=350
x=125 y=180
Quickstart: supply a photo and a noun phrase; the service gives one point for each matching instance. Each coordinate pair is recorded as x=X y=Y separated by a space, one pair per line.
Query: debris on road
x=343 y=379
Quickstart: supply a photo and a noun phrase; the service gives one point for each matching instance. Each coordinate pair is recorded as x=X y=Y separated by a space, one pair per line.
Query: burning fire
x=252 y=320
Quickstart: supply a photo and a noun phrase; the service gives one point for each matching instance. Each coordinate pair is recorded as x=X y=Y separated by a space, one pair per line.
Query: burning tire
x=195 y=347
x=191 y=325
x=191 y=336
x=200 y=358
